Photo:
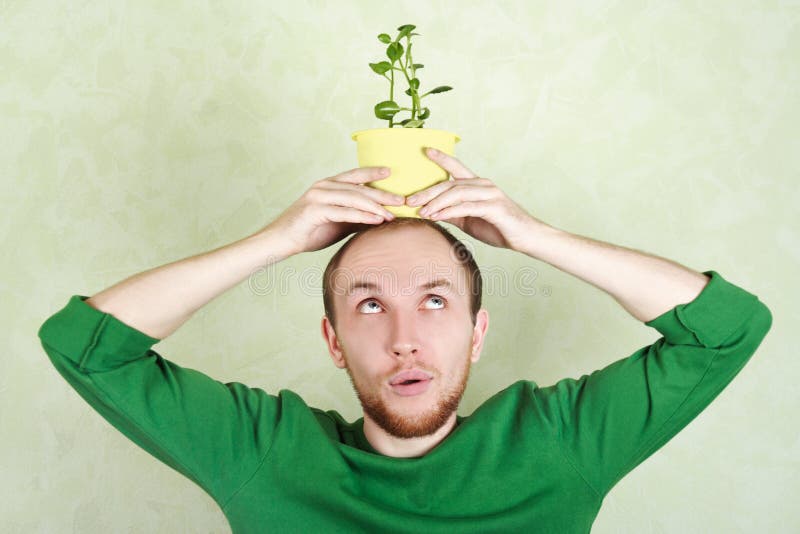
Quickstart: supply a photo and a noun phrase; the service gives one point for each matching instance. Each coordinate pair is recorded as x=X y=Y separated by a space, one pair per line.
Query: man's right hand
x=333 y=208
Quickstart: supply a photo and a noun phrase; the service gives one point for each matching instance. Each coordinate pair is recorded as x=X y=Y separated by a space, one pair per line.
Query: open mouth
x=411 y=387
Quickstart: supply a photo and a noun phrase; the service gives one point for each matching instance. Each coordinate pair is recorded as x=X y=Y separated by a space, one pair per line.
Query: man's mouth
x=412 y=387
x=411 y=375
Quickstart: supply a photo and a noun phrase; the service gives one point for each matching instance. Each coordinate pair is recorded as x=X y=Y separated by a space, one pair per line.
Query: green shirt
x=529 y=459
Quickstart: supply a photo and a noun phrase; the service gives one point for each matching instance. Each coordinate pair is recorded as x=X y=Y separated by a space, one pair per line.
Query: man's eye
x=368 y=302
x=437 y=297
x=372 y=301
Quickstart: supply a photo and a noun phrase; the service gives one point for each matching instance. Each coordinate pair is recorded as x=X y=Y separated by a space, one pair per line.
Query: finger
x=378 y=195
x=352 y=215
x=456 y=169
x=421 y=197
x=458 y=195
x=361 y=175
x=350 y=199
x=426 y=195
x=465 y=209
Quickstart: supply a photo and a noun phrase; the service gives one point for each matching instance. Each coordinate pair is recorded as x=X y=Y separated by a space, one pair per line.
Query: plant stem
x=391 y=95
x=414 y=94
x=414 y=102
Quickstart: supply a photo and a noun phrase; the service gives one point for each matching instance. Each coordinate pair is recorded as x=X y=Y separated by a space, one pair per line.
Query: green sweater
x=529 y=459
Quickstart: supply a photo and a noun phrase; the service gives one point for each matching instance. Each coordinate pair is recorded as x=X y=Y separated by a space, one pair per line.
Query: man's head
x=393 y=323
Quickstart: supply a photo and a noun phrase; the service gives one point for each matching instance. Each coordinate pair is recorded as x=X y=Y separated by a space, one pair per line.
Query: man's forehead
x=411 y=242
x=387 y=278
x=371 y=285
x=406 y=258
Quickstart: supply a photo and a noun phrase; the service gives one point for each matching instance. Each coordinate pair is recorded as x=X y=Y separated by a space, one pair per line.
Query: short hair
x=461 y=253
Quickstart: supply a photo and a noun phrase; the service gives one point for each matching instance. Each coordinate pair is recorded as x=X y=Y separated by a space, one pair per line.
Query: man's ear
x=479 y=333
x=332 y=340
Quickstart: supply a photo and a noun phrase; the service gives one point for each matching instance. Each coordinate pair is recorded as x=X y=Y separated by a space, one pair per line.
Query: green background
x=135 y=134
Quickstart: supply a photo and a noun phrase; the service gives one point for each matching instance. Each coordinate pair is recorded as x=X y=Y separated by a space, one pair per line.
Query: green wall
x=135 y=134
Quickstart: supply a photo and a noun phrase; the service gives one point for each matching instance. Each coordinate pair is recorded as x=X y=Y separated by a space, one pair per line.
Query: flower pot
x=402 y=150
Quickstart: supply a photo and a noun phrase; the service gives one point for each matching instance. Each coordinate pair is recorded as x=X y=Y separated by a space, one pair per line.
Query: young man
x=528 y=459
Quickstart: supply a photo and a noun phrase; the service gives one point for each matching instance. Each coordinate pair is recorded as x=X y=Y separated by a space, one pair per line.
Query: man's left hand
x=475 y=205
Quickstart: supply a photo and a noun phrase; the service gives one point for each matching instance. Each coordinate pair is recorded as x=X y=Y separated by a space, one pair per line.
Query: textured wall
x=138 y=133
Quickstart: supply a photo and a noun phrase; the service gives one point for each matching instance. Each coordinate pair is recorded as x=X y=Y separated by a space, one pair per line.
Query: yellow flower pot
x=403 y=151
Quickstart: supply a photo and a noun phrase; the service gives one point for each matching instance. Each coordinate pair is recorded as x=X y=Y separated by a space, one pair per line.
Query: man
x=530 y=459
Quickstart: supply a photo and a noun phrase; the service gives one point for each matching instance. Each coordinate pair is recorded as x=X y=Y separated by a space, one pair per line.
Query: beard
x=422 y=423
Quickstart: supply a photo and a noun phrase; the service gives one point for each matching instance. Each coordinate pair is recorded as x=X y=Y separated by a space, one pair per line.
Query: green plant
x=389 y=108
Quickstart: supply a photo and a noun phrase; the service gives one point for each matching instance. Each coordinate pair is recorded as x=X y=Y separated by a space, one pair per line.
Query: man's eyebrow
x=366 y=284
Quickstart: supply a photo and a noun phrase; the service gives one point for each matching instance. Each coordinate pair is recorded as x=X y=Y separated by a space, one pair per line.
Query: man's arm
x=158 y=301
x=645 y=285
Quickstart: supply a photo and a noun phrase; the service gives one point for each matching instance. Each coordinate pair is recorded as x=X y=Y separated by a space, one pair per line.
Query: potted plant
x=401 y=146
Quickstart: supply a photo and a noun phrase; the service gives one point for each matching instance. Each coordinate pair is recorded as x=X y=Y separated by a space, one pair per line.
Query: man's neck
x=389 y=445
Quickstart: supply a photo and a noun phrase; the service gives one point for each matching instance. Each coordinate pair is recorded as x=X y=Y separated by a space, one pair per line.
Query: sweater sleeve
x=213 y=433
x=612 y=420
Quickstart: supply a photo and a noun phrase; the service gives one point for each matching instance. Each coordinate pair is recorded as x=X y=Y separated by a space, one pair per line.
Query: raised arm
x=645 y=285
x=158 y=301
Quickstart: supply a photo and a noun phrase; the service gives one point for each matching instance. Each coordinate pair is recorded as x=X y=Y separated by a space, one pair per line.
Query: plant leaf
x=404 y=30
x=386 y=110
x=418 y=65
x=381 y=68
x=425 y=113
x=385 y=38
x=394 y=51
x=440 y=89
x=414 y=83
x=413 y=124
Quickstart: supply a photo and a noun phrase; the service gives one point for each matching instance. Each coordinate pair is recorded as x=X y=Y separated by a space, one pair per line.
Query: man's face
x=398 y=326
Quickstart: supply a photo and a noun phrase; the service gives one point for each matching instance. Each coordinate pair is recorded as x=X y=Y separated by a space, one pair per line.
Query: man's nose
x=404 y=350
x=405 y=340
